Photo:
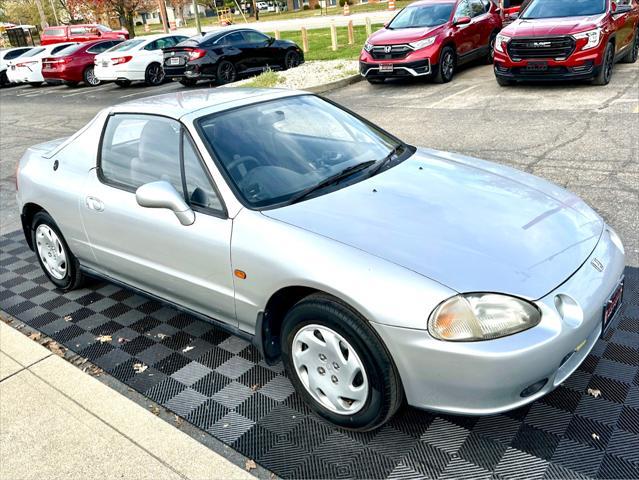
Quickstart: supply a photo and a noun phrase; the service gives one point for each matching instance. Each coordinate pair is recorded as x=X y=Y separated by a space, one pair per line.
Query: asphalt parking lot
x=582 y=137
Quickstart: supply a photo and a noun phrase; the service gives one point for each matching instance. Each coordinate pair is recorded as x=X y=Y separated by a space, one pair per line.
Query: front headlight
x=499 y=42
x=368 y=47
x=593 y=37
x=481 y=316
x=427 y=42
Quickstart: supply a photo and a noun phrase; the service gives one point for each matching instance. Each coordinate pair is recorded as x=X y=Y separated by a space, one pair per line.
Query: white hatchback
x=27 y=68
x=138 y=59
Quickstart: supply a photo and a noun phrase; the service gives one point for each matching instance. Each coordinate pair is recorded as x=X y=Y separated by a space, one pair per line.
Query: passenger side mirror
x=386 y=24
x=161 y=194
x=513 y=16
x=463 y=21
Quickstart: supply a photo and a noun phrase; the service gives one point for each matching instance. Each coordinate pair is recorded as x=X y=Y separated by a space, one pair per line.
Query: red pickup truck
x=80 y=33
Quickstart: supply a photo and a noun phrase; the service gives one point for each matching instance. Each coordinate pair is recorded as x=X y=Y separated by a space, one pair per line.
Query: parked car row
x=221 y=57
x=549 y=40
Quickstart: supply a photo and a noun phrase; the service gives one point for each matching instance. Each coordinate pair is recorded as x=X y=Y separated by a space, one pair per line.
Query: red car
x=568 y=40
x=74 y=64
x=431 y=38
x=80 y=33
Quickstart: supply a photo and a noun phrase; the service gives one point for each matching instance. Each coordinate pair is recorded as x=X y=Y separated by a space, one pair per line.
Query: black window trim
x=222 y=214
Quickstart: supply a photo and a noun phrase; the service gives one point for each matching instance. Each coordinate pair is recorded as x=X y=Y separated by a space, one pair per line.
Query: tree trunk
x=129 y=24
x=43 y=19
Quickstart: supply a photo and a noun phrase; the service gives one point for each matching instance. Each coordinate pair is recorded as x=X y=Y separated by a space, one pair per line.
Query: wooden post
x=304 y=40
x=351 y=34
x=278 y=36
x=369 y=28
x=333 y=37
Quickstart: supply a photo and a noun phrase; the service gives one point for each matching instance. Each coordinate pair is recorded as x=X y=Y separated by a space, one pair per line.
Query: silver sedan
x=375 y=270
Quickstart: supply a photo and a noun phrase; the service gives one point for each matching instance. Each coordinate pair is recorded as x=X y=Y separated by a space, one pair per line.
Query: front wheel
x=291 y=59
x=123 y=83
x=605 y=74
x=490 y=58
x=339 y=365
x=446 y=68
x=154 y=75
x=633 y=54
x=89 y=77
x=226 y=72
x=55 y=258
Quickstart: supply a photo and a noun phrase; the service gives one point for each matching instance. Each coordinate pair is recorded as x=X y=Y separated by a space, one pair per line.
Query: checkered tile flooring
x=220 y=384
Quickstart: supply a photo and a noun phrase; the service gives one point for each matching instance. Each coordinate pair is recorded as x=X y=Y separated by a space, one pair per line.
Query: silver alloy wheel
x=330 y=369
x=51 y=251
x=91 y=78
x=448 y=65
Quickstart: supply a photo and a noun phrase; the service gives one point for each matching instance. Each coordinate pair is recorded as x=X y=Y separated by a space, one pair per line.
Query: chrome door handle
x=94 y=204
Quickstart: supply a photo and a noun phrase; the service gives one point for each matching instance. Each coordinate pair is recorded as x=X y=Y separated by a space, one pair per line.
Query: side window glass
x=234 y=38
x=152 y=46
x=477 y=7
x=139 y=149
x=101 y=47
x=463 y=10
x=254 y=37
x=199 y=189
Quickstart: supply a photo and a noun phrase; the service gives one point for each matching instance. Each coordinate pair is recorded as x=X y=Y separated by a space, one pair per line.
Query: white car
x=5 y=56
x=27 y=68
x=136 y=59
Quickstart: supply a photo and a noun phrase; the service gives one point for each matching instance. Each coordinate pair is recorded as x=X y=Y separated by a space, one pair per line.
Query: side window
x=477 y=7
x=78 y=31
x=199 y=190
x=152 y=46
x=100 y=47
x=138 y=149
x=232 y=39
x=254 y=37
x=463 y=10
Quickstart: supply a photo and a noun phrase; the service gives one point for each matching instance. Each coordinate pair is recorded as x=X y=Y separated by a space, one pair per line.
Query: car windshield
x=422 y=16
x=563 y=8
x=126 y=45
x=275 y=152
x=69 y=50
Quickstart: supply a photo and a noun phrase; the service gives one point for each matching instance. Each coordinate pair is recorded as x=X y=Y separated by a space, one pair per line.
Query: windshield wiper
x=385 y=161
x=347 y=172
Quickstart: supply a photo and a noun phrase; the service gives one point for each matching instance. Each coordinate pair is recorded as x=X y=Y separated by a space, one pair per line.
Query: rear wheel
x=226 y=72
x=446 y=67
x=123 y=83
x=291 y=59
x=89 y=77
x=58 y=263
x=154 y=74
x=633 y=54
x=339 y=365
x=188 y=82
x=605 y=74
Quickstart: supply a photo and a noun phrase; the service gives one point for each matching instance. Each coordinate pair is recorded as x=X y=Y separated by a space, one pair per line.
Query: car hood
x=543 y=27
x=400 y=36
x=467 y=224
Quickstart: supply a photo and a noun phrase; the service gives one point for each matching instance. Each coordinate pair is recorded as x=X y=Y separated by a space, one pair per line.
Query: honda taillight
x=197 y=53
x=121 y=60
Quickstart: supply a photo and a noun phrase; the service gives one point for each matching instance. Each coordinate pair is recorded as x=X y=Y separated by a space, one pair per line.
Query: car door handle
x=93 y=203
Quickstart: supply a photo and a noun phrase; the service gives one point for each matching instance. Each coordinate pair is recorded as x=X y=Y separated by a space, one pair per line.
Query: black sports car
x=225 y=55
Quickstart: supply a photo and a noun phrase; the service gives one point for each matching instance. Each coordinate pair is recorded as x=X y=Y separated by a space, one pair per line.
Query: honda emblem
x=388 y=49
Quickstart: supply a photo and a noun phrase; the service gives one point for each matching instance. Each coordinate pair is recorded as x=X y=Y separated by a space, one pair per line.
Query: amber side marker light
x=240 y=274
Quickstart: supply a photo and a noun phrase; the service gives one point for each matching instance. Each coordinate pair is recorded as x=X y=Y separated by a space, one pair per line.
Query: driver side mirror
x=463 y=21
x=513 y=16
x=386 y=24
x=162 y=194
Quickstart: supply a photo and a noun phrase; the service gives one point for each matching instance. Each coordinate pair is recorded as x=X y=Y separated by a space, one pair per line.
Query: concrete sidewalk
x=58 y=422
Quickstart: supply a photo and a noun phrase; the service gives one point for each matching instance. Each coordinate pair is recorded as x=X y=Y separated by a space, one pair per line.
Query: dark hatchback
x=225 y=56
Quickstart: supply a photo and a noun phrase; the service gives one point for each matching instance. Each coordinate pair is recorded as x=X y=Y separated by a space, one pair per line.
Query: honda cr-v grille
x=551 y=47
x=390 y=52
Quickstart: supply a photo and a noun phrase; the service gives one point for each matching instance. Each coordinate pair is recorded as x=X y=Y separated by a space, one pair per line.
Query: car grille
x=390 y=52
x=552 y=47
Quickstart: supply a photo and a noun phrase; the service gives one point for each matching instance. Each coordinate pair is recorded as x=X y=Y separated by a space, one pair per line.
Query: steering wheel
x=241 y=160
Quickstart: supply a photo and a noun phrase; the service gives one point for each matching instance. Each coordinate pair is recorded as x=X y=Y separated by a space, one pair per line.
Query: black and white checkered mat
x=219 y=383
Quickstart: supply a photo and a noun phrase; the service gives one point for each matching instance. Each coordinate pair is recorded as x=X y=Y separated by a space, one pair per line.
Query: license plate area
x=175 y=61
x=105 y=63
x=536 y=66
x=386 y=68
x=612 y=305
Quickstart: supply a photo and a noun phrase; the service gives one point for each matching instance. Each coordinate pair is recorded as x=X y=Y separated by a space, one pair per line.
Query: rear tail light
x=25 y=64
x=121 y=60
x=197 y=53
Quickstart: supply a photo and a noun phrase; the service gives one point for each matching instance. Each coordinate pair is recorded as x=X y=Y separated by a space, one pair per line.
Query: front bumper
x=418 y=68
x=483 y=378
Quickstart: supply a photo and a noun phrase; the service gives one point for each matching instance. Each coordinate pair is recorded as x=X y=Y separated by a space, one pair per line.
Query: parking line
x=445 y=99
x=86 y=90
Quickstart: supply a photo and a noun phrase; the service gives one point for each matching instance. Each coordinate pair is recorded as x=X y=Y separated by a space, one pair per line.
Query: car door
x=259 y=52
x=624 y=25
x=463 y=34
x=235 y=50
x=148 y=247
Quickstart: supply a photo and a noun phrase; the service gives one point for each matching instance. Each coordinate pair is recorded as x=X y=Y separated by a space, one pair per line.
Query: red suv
x=431 y=38
x=74 y=64
x=80 y=33
x=560 y=39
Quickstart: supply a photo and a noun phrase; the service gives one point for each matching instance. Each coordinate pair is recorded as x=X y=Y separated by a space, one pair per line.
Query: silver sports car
x=375 y=270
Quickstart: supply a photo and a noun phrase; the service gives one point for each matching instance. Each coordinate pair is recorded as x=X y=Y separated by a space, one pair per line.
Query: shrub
x=306 y=7
x=317 y=6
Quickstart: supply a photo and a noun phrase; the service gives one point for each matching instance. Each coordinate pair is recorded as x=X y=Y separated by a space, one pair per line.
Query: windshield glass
x=274 y=151
x=563 y=8
x=422 y=16
x=125 y=46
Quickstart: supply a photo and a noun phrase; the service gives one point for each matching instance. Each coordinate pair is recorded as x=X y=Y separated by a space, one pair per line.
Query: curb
x=327 y=87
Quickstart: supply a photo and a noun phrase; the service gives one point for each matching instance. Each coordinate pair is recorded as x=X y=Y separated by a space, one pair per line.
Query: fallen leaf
x=255 y=387
x=35 y=336
x=122 y=340
x=595 y=436
x=94 y=371
x=155 y=410
x=55 y=347
x=594 y=392
x=250 y=465
x=187 y=349
x=139 y=367
x=178 y=421
x=161 y=336
x=104 y=338
x=68 y=318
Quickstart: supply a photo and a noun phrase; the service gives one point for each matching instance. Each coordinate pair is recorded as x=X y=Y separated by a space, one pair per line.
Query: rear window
x=15 y=53
x=68 y=50
x=59 y=48
x=125 y=46
x=54 y=32
x=33 y=52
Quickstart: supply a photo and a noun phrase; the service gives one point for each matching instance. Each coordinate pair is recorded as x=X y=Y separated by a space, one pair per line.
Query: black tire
x=490 y=58
x=71 y=84
x=633 y=54
x=35 y=84
x=225 y=72
x=73 y=278
x=446 y=68
x=89 y=77
x=154 y=75
x=291 y=59
x=385 y=392
x=375 y=81
x=188 y=82
x=3 y=79
x=123 y=83
x=605 y=74
x=504 y=82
